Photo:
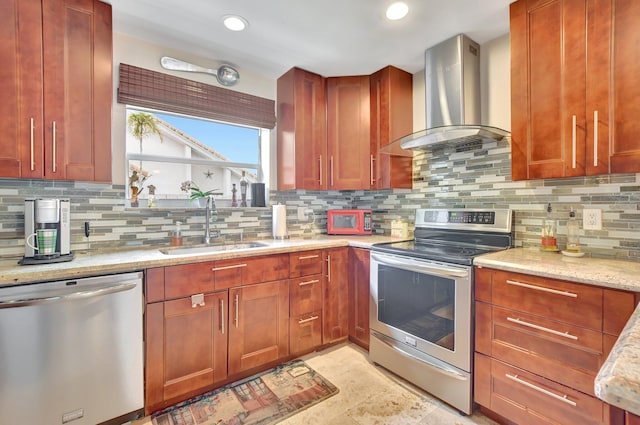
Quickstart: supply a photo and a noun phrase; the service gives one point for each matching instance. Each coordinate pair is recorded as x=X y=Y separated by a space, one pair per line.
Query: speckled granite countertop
x=120 y=261
x=618 y=382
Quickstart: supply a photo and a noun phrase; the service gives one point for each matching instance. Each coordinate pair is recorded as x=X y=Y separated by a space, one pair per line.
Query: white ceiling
x=329 y=37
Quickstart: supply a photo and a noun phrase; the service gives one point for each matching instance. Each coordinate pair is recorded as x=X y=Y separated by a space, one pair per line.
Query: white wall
x=136 y=52
x=495 y=89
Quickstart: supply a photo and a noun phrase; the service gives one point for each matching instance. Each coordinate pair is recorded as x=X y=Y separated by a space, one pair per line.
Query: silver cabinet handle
x=33 y=162
x=222 y=316
x=25 y=301
x=573 y=141
x=328 y=268
x=234 y=266
x=310 y=319
x=237 y=303
x=55 y=147
x=309 y=282
x=307 y=257
x=320 y=169
x=542 y=289
x=595 y=138
x=331 y=171
x=197 y=300
x=373 y=180
x=542 y=328
x=564 y=398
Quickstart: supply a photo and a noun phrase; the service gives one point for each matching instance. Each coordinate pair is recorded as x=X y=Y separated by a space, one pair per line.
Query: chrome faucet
x=207 y=219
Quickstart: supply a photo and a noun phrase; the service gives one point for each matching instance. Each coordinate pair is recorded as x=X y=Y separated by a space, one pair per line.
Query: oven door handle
x=421 y=267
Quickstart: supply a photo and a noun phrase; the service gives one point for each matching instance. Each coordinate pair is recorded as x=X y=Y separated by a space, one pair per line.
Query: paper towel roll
x=280 y=222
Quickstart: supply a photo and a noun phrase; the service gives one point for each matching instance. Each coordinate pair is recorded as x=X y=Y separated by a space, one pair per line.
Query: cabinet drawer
x=564 y=353
x=305 y=263
x=188 y=279
x=527 y=398
x=246 y=271
x=305 y=294
x=306 y=332
x=573 y=303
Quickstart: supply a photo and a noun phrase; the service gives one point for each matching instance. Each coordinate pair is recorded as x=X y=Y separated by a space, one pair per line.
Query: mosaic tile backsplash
x=445 y=177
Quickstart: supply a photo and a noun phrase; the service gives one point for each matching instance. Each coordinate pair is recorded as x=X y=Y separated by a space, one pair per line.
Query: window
x=212 y=155
x=184 y=115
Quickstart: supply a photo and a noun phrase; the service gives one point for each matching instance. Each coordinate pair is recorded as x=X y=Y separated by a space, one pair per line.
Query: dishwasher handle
x=23 y=301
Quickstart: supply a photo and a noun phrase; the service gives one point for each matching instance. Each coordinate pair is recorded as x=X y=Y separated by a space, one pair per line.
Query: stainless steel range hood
x=452 y=87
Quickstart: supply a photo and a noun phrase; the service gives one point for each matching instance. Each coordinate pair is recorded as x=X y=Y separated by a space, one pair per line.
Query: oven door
x=423 y=305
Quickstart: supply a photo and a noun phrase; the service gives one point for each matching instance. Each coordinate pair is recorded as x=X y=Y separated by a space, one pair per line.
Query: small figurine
x=234 y=200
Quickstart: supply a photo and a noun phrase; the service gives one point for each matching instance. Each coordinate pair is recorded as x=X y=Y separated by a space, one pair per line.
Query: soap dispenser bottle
x=573 y=233
x=549 y=231
x=176 y=238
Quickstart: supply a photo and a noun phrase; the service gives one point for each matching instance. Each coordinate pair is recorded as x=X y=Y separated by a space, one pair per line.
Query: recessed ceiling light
x=397 y=10
x=235 y=22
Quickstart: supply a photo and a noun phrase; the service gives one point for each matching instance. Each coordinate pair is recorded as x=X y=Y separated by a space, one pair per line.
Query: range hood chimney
x=452 y=77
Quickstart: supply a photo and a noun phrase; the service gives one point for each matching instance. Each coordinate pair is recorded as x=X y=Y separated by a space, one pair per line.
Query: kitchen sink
x=206 y=249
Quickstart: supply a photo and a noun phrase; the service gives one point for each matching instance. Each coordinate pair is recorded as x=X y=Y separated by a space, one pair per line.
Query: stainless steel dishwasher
x=72 y=351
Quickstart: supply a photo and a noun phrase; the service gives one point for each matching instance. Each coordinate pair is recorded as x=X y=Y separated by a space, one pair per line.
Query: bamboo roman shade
x=150 y=89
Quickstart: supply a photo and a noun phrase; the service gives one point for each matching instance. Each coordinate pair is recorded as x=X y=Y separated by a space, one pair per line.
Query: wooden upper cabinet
x=574 y=91
x=348 y=144
x=301 y=131
x=21 y=110
x=56 y=122
x=391 y=118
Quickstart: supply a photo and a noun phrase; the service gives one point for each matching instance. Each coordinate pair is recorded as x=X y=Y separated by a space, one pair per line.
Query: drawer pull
x=543 y=289
x=235 y=266
x=197 y=300
x=309 y=282
x=308 y=257
x=33 y=162
x=222 y=316
x=562 y=398
x=542 y=328
x=237 y=303
x=310 y=319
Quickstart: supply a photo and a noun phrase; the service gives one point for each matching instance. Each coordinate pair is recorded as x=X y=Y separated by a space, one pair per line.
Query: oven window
x=419 y=304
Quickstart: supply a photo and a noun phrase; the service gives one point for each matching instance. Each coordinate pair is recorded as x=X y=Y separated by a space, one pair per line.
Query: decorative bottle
x=573 y=233
x=549 y=232
x=243 y=189
x=176 y=238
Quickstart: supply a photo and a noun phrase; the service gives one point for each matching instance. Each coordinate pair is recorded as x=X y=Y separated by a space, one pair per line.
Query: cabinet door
x=336 y=295
x=301 y=131
x=548 y=81
x=632 y=419
x=359 y=296
x=21 y=88
x=258 y=325
x=348 y=144
x=186 y=347
x=391 y=118
x=613 y=93
x=78 y=89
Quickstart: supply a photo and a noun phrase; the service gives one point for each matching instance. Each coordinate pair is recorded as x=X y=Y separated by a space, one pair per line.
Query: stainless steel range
x=421 y=311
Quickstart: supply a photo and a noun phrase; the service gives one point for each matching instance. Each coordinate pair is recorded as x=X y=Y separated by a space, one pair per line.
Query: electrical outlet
x=592 y=219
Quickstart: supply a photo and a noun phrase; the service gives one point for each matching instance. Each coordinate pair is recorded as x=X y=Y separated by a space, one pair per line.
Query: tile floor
x=370 y=395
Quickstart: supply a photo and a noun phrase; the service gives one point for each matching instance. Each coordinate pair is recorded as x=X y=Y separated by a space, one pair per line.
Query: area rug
x=261 y=399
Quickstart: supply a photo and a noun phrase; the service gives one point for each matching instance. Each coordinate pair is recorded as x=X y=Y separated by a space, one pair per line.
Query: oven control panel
x=468 y=219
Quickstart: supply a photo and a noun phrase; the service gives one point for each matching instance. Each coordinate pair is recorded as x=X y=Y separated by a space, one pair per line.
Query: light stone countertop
x=127 y=260
x=618 y=381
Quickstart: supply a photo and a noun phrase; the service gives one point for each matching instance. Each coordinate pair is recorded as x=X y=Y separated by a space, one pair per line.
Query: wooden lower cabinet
x=632 y=419
x=539 y=344
x=258 y=325
x=359 y=296
x=186 y=347
x=336 y=295
x=305 y=313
